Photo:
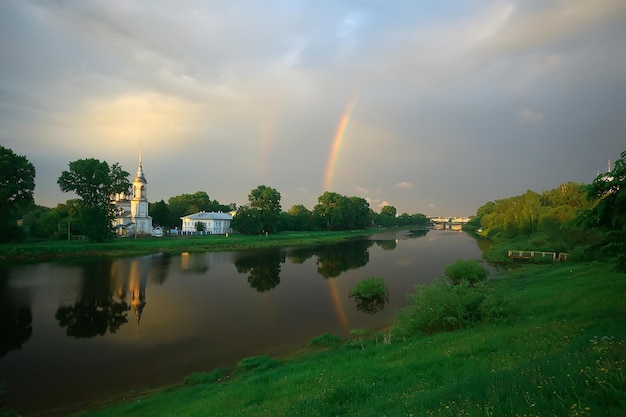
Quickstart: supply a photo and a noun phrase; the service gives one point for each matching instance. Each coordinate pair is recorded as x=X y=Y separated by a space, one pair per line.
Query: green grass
x=559 y=353
x=38 y=251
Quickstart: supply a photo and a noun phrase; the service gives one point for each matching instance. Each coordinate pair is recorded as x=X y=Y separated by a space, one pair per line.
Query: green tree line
x=586 y=219
x=95 y=181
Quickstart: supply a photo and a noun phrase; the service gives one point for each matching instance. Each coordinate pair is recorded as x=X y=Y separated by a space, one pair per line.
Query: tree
x=609 y=214
x=185 y=204
x=161 y=215
x=200 y=227
x=338 y=212
x=94 y=182
x=329 y=212
x=33 y=221
x=299 y=218
x=267 y=201
x=359 y=214
x=388 y=215
x=247 y=221
x=17 y=184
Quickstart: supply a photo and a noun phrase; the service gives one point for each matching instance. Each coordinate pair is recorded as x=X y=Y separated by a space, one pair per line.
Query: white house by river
x=211 y=223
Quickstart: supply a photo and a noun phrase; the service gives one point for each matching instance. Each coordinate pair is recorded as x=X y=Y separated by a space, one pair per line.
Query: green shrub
x=326 y=340
x=495 y=307
x=369 y=288
x=466 y=270
x=433 y=308
x=370 y=295
x=258 y=363
x=443 y=307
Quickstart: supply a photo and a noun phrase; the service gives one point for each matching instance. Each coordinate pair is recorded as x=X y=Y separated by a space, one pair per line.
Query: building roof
x=208 y=215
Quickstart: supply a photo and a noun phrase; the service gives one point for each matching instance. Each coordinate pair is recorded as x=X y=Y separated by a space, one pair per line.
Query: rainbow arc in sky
x=337 y=141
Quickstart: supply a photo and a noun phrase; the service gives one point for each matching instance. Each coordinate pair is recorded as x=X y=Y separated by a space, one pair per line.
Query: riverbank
x=47 y=250
x=559 y=352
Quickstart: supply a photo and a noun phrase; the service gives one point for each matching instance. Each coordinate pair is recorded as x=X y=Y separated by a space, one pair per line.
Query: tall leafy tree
x=94 y=182
x=609 y=214
x=300 y=218
x=330 y=211
x=387 y=216
x=359 y=214
x=338 y=212
x=17 y=184
x=161 y=215
x=267 y=201
x=184 y=204
x=248 y=220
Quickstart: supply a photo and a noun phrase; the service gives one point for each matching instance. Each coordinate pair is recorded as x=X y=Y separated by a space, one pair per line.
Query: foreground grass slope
x=560 y=353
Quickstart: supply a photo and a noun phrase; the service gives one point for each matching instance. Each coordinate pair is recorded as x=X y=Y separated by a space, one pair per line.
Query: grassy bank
x=559 y=353
x=37 y=251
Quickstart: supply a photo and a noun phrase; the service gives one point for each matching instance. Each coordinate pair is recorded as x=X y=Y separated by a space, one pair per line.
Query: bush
x=369 y=288
x=469 y=270
x=326 y=340
x=443 y=307
x=258 y=363
x=371 y=295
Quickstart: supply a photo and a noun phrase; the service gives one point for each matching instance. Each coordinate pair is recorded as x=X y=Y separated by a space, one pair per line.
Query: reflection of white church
x=131 y=211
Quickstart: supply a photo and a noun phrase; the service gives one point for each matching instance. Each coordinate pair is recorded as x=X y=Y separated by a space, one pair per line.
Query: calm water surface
x=78 y=332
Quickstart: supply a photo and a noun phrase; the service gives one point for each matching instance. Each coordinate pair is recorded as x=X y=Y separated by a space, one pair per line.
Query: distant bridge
x=531 y=254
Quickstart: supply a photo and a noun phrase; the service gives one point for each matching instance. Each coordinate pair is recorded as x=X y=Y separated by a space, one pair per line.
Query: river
x=78 y=332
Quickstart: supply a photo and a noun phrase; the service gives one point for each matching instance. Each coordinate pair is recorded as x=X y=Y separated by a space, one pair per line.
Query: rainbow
x=336 y=299
x=339 y=136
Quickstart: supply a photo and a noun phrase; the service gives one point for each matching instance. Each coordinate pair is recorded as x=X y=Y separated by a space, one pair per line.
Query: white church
x=131 y=211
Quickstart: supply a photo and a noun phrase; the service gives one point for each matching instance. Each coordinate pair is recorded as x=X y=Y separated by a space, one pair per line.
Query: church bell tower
x=139 y=201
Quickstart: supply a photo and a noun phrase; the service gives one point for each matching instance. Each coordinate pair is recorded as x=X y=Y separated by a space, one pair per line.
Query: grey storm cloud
x=427 y=106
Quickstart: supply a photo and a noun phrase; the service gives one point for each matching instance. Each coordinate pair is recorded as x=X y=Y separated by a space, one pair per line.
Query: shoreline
x=124 y=247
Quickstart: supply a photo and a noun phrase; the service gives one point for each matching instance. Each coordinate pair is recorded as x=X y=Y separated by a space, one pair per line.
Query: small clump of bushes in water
x=370 y=295
x=454 y=301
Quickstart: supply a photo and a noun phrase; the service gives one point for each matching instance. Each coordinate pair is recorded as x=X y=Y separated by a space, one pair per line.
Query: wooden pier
x=531 y=254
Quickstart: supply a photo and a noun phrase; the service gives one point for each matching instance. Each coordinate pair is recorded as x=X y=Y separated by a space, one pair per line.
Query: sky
x=433 y=107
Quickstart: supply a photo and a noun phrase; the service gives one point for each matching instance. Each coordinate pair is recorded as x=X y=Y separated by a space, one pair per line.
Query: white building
x=131 y=211
x=214 y=223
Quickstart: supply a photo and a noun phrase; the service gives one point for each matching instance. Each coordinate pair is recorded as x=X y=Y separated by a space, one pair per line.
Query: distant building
x=213 y=223
x=131 y=211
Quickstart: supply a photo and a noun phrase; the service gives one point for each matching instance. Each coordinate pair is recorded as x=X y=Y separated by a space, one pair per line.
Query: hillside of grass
x=558 y=351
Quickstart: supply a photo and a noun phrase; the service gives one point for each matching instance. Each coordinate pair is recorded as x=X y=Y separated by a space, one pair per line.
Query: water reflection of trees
x=109 y=289
x=263 y=267
x=333 y=260
x=16 y=318
x=194 y=262
x=95 y=312
x=388 y=244
x=418 y=233
x=372 y=304
x=160 y=268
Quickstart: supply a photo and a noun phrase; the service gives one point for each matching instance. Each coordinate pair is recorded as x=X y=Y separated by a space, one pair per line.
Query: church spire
x=140 y=175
